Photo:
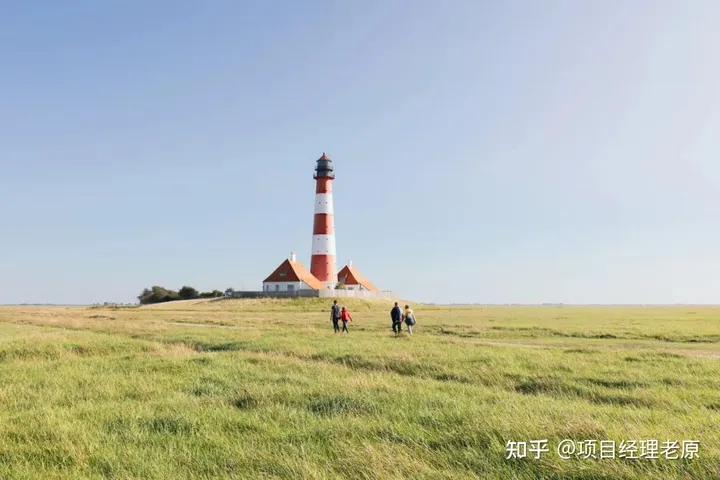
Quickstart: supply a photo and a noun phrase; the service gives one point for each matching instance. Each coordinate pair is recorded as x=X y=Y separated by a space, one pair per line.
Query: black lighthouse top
x=324 y=168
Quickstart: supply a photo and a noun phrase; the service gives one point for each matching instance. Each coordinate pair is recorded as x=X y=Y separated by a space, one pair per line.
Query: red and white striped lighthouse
x=322 y=260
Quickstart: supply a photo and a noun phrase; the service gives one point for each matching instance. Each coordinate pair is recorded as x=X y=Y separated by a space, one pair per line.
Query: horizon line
x=457 y=304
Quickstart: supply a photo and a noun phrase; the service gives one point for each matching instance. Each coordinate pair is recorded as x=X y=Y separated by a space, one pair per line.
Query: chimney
x=349 y=263
x=293 y=257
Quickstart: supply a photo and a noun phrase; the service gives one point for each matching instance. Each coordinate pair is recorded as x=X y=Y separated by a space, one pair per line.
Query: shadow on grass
x=218 y=347
x=168 y=426
x=208 y=387
x=245 y=402
x=555 y=387
x=405 y=368
x=161 y=425
x=540 y=332
x=329 y=405
x=622 y=384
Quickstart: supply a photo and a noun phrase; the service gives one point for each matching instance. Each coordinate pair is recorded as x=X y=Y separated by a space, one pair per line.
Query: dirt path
x=213 y=325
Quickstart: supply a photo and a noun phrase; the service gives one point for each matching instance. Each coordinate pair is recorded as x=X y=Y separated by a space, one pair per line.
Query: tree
x=145 y=296
x=229 y=292
x=171 y=296
x=157 y=294
x=188 y=293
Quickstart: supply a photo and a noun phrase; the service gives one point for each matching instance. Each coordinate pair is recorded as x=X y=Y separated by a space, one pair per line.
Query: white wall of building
x=355 y=294
x=285 y=286
x=353 y=287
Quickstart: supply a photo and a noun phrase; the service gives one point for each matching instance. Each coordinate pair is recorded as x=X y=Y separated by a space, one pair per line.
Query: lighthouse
x=322 y=260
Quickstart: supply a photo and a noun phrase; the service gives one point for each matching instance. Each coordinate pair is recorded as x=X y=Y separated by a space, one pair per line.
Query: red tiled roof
x=290 y=271
x=354 y=277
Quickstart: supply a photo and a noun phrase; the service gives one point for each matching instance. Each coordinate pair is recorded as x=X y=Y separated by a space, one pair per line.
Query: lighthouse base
x=322 y=267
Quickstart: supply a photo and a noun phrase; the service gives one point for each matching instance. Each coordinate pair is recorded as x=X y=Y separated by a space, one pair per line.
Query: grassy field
x=264 y=389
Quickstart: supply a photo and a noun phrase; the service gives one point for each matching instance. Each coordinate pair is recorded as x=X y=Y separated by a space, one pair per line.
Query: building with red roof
x=291 y=276
x=351 y=279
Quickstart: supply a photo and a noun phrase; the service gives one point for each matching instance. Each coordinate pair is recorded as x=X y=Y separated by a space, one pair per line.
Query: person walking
x=335 y=316
x=397 y=317
x=409 y=319
x=345 y=317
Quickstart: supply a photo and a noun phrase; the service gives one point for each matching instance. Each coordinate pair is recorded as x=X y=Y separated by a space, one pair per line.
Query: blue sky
x=494 y=152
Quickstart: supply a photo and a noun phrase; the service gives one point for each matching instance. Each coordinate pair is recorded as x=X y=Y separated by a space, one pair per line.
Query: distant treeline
x=159 y=294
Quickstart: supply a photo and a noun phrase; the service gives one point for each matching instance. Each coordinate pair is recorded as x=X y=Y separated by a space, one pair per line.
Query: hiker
x=345 y=317
x=335 y=316
x=409 y=319
x=397 y=317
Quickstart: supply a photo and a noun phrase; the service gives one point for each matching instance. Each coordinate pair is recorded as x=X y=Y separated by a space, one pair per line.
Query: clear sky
x=559 y=151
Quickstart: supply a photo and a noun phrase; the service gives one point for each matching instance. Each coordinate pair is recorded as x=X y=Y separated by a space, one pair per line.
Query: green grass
x=264 y=389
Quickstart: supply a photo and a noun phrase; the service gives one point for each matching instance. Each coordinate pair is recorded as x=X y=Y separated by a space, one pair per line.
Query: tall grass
x=265 y=389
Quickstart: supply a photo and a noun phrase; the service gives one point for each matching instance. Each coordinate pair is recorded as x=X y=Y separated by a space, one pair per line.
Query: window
x=291 y=287
x=277 y=287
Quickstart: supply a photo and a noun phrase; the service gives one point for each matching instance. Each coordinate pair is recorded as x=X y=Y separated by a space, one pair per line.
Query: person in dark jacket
x=335 y=316
x=397 y=317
